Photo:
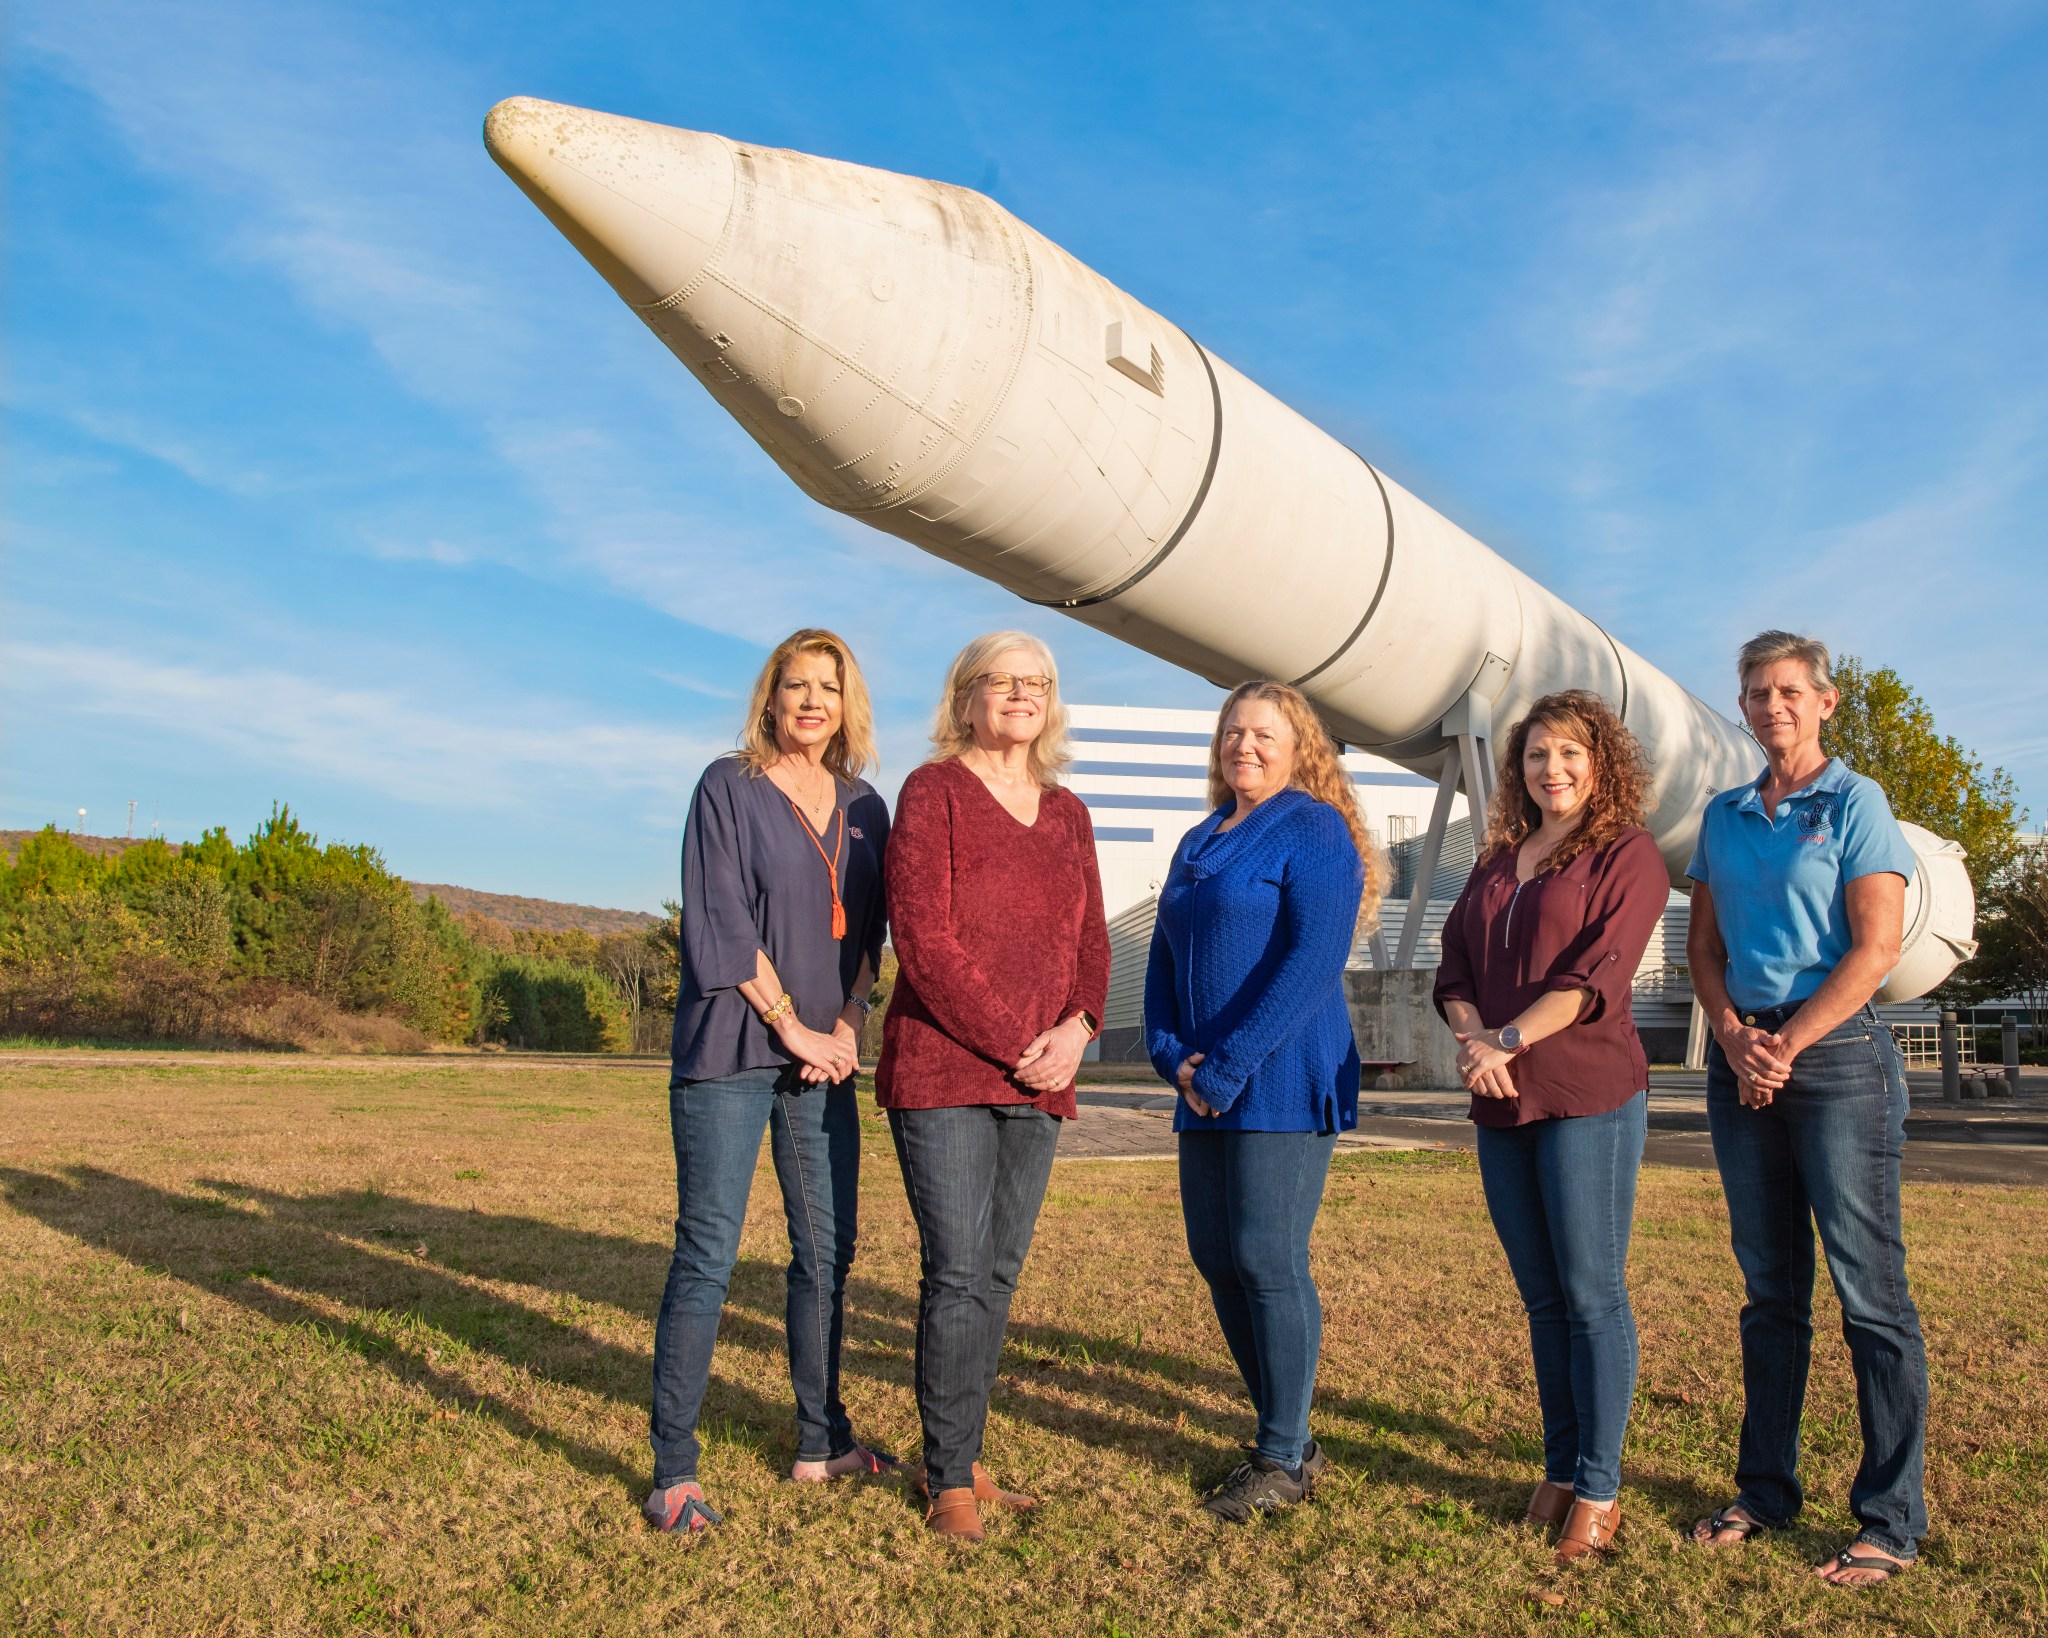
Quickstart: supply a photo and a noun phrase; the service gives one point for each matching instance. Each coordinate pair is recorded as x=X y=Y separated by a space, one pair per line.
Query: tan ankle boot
x=1548 y=1505
x=1588 y=1528
x=954 y=1514
x=986 y=1490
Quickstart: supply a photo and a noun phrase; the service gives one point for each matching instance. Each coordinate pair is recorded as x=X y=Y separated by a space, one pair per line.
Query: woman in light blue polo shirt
x=1798 y=903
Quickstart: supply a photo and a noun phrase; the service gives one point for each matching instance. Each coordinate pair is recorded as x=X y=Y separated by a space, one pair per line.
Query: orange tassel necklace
x=832 y=863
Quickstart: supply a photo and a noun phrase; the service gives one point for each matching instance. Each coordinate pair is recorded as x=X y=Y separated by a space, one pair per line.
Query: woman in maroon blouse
x=1539 y=955
x=996 y=910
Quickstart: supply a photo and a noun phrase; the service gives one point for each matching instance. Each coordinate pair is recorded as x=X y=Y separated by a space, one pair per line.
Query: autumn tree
x=1883 y=729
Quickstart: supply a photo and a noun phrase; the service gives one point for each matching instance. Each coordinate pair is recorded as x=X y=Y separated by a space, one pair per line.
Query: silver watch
x=1510 y=1038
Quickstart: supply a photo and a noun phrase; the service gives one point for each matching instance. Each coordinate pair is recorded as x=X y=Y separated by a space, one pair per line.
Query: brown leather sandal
x=1588 y=1528
x=985 y=1490
x=1548 y=1505
x=955 y=1515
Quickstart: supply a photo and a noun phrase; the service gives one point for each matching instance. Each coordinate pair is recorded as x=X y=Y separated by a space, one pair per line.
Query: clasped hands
x=1184 y=1078
x=821 y=1057
x=1483 y=1064
x=1761 y=1060
x=1053 y=1057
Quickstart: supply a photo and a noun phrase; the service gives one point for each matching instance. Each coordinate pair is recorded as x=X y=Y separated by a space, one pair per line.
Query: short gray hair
x=1769 y=647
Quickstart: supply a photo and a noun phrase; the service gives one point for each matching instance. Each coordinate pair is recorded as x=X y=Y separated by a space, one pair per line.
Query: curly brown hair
x=1318 y=769
x=1621 y=777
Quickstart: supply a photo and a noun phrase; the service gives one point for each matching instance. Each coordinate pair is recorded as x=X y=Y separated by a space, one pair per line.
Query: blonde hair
x=952 y=735
x=1318 y=769
x=852 y=750
x=1769 y=647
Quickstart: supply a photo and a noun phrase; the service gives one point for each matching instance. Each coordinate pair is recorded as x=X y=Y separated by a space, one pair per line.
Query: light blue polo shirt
x=1778 y=883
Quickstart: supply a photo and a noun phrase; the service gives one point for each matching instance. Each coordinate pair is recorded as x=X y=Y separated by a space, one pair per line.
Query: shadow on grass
x=282 y=1265
x=1046 y=1369
x=285 y=1256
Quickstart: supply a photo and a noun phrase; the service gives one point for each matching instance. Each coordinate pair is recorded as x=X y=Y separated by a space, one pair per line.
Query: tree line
x=282 y=940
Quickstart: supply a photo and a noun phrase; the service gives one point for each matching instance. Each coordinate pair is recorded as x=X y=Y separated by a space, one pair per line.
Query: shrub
x=545 y=1004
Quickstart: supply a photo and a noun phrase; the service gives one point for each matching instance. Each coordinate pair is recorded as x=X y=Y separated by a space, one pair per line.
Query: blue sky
x=336 y=477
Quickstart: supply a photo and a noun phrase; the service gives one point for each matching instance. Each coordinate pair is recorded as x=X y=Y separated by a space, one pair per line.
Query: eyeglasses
x=1005 y=682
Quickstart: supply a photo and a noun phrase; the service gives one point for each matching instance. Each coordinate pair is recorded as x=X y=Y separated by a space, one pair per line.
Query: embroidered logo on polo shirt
x=857 y=833
x=1817 y=817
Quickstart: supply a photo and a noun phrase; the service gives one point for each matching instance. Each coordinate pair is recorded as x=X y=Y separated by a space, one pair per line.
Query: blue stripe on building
x=1148 y=804
x=1121 y=833
x=1136 y=736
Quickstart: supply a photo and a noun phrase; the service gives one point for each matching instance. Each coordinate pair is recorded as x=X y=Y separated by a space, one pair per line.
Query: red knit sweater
x=998 y=932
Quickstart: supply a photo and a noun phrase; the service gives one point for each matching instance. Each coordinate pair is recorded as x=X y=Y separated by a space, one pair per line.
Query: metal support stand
x=2009 y=1041
x=1468 y=766
x=1696 y=1037
x=1951 y=1061
x=1425 y=867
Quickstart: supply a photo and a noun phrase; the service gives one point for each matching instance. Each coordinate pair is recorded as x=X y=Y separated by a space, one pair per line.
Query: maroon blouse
x=1583 y=926
x=999 y=935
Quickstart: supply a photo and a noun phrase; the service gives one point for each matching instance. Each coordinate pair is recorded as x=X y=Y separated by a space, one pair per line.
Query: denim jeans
x=1248 y=1201
x=1562 y=1195
x=815 y=1141
x=1825 y=1153
x=976 y=1178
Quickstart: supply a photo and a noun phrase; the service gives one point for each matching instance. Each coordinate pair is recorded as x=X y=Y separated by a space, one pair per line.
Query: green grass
x=292 y=1345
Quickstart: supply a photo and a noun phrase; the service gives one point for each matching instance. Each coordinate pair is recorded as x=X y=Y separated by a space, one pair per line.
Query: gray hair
x=951 y=737
x=1769 y=647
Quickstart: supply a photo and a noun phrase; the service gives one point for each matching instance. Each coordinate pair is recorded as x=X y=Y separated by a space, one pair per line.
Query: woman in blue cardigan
x=1245 y=1015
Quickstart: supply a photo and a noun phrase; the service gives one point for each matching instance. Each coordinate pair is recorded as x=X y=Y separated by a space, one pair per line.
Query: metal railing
x=1920 y=1045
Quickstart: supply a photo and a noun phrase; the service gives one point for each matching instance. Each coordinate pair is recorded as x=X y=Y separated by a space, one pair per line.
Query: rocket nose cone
x=646 y=204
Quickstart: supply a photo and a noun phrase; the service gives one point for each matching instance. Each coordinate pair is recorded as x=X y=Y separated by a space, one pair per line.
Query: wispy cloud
x=382 y=739
x=342 y=167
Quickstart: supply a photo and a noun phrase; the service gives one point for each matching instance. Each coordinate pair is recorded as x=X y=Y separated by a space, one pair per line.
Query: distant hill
x=11 y=840
x=540 y=915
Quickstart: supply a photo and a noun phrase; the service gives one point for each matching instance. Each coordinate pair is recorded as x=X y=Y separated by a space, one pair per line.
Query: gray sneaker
x=1262 y=1485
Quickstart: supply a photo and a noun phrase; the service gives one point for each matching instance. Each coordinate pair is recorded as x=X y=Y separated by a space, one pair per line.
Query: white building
x=1143 y=772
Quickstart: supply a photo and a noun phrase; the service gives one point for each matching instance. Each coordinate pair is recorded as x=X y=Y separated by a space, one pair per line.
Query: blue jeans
x=1825 y=1153
x=976 y=1178
x=1248 y=1201
x=815 y=1140
x=1562 y=1195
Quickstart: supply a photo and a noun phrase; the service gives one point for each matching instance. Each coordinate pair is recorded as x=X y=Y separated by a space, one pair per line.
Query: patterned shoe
x=1262 y=1485
x=680 y=1509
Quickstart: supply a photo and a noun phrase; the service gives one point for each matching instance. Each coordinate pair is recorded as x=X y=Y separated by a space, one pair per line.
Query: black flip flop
x=1727 y=1519
x=1850 y=1559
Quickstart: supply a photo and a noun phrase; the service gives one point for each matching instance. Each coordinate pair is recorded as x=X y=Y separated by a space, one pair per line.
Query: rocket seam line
x=1620 y=665
x=1186 y=523
x=1380 y=591
x=831 y=352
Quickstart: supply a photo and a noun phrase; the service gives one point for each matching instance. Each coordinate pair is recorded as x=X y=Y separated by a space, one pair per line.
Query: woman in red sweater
x=1003 y=962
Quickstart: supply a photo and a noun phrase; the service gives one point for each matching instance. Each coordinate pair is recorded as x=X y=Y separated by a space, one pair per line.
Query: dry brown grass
x=300 y=1345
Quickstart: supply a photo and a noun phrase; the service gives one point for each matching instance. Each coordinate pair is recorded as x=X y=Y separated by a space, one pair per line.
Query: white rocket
x=914 y=356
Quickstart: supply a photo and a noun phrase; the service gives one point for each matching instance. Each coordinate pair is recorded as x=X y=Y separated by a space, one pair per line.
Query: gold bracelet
x=786 y=1004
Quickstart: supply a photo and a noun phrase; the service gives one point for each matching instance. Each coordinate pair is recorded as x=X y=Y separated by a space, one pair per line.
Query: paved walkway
x=2000 y=1140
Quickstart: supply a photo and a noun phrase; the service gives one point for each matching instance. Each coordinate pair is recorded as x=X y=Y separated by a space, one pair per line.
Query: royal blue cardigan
x=1247 y=967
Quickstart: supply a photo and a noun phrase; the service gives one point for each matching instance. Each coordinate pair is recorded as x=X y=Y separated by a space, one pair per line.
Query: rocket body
x=912 y=355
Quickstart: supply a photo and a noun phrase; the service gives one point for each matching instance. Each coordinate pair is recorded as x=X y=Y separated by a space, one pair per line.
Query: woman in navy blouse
x=781 y=936
x=1245 y=1015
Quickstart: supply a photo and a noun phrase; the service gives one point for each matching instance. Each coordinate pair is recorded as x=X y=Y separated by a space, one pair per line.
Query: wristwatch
x=1510 y=1038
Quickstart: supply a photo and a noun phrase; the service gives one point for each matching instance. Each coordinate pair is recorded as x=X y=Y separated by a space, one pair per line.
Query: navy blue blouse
x=752 y=881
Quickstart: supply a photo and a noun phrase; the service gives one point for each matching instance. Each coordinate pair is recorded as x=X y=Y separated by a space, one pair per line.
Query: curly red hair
x=1621 y=777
